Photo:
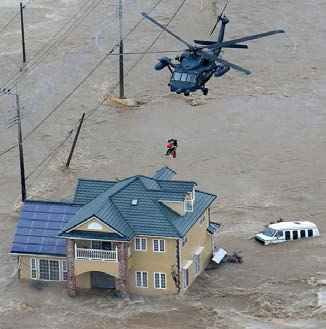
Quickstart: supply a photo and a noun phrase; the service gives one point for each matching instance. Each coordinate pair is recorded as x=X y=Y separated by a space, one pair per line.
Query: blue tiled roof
x=149 y=217
x=88 y=189
x=164 y=173
x=38 y=226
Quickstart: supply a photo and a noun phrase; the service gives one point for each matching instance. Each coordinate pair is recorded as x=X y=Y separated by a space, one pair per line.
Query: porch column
x=123 y=267
x=71 y=280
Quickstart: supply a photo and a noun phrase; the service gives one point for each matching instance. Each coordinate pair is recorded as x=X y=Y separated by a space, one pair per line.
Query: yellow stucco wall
x=25 y=270
x=83 y=281
x=149 y=261
x=197 y=237
x=83 y=266
x=178 y=207
x=84 y=227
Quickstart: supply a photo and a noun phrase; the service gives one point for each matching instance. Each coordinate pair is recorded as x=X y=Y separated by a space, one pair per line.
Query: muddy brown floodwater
x=257 y=141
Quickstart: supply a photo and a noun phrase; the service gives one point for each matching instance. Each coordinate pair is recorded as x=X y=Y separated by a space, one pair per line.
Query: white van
x=282 y=231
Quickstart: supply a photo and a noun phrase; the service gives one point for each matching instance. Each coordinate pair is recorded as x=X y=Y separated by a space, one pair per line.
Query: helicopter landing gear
x=205 y=91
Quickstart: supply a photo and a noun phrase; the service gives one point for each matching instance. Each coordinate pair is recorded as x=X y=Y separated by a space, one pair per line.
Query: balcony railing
x=96 y=254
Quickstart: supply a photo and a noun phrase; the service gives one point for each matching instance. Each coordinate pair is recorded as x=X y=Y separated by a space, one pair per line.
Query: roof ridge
x=216 y=197
x=99 y=180
x=126 y=221
x=159 y=207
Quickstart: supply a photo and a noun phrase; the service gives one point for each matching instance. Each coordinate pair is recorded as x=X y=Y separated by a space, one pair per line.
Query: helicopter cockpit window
x=184 y=77
x=176 y=76
x=191 y=77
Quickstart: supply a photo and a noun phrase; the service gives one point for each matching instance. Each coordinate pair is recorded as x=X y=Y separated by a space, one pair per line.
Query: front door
x=102 y=280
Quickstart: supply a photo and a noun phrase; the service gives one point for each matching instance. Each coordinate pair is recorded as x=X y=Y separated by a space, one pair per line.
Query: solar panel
x=39 y=224
x=20 y=238
x=38 y=227
x=54 y=225
x=47 y=249
x=41 y=216
x=60 y=250
x=34 y=239
x=25 y=223
x=56 y=217
x=32 y=248
x=29 y=206
x=27 y=215
x=49 y=242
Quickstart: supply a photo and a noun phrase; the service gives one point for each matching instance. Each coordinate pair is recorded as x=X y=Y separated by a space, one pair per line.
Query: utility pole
x=75 y=141
x=22 y=28
x=122 y=93
x=17 y=120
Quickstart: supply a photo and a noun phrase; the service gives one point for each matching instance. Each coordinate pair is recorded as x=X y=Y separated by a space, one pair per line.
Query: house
x=140 y=235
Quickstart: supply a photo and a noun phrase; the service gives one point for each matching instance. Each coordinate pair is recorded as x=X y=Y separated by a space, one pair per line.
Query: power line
x=80 y=83
x=51 y=155
x=19 y=76
x=13 y=18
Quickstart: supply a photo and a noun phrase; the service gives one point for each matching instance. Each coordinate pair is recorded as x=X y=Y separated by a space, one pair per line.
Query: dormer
x=182 y=207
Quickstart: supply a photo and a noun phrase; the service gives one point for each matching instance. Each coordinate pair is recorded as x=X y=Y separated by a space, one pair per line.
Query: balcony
x=96 y=254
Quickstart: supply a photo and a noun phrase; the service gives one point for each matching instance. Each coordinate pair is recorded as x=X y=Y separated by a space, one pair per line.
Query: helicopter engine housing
x=163 y=62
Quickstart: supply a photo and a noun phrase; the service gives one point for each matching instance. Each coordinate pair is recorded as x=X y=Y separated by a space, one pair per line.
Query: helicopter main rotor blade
x=166 y=29
x=208 y=43
x=147 y=52
x=250 y=37
x=219 y=17
x=236 y=67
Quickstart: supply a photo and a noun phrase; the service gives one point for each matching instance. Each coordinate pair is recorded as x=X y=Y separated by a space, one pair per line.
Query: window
x=96 y=244
x=303 y=233
x=158 y=245
x=33 y=268
x=184 y=241
x=202 y=219
x=310 y=233
x=49 y=270
x=141 y=279
x=159 y=280
x=295 y=235
x=140 y=244
x=191 y=77
x=129 y=252
x=94 y=226
x=134 y=202
x=176 y=76
x=188 y=205
x=183 y=77
x=197 y=263
x=287 y=235
x=185 y=278
x=64 y=270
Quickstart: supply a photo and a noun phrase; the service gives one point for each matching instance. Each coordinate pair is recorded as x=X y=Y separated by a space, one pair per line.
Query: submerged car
x=283 y=231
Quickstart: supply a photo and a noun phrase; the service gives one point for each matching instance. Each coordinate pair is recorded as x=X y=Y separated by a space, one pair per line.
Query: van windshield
x=268 y=232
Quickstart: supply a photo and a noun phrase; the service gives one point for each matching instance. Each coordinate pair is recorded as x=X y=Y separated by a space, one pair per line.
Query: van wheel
x=266 y=243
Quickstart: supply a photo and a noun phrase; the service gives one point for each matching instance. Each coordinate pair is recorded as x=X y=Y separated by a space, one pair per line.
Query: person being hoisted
x=172 y=147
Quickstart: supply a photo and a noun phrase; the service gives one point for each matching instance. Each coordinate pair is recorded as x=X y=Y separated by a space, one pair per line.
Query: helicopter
x=197 y=64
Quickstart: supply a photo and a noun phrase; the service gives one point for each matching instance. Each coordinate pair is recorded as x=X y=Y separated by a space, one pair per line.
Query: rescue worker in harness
x=172 y=147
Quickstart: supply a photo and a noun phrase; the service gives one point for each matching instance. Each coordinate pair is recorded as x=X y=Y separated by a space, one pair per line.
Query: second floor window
x=184 y=241
x=141 y=244
x=158 y=245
